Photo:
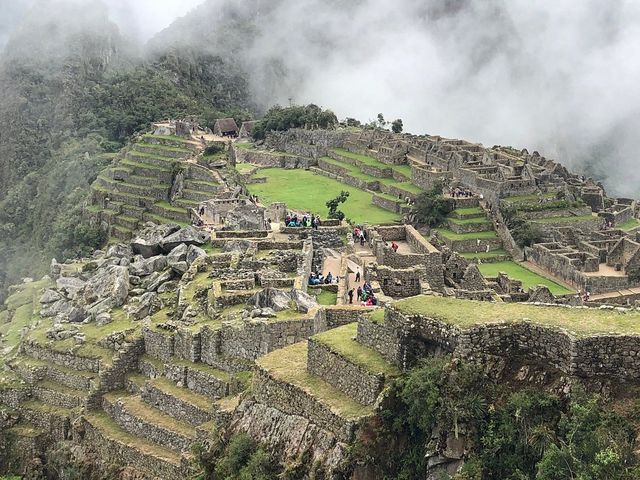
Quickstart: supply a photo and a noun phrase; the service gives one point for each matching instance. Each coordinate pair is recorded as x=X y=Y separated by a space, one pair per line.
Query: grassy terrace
x=244 y=167
x=341 y=340
x=304 y=190
x=489 y=254
x=173 y=138
x=467 y=313
x=528 y=198
x=466 y=236
x=289 y=364
x=468 y=212
x=629 y=224
x=167 y=148
x=324 y=297
x=147 y=166
x=252 y=147
x=527 y=277
x=354 y=171
x=372 y=162
x=466 y=221
x=575 y=218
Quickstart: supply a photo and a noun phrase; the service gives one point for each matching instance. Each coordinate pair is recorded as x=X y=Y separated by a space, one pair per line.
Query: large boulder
x=149 y=241
x=147 y=266
x=304 y=302
x=70 y=286
x=111 y=283
x=50 y=296
x=193 y=253
x=245 y=217
x=60 y=307
x=120 y=250
x=187 y=235
x=146 y=305
x=178 y=254
x=236 y=246
x=271 y=298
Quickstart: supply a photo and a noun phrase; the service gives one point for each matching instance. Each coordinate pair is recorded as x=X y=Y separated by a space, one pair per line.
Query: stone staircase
x=138 y=187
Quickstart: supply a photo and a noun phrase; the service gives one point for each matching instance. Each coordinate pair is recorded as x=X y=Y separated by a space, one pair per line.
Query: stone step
x=144 y=181
x=138 y=418
x=178 y=402
x=282 y=382
x=162 y=150
x=123 y=448
x=52 y=419
x=201 y=185
x=162 y=174
x=59 y=395
x=121 y=233
x=151 y=159
x=473 y=225
x=173 y=212
x=124 y=197
x=160 y=220
x=157 y=191
x=357 y=371
x=184 y=203
x=169 y=140
x=33 y=370
x=126 y=221
x=133 y=211
x=62 y=359
x=196 y=195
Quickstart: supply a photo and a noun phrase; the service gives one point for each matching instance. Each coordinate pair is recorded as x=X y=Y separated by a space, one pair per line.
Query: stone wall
x=272 y=159
x=354 y=381
x=292 y=400
x=384 y=340
x=330 y=317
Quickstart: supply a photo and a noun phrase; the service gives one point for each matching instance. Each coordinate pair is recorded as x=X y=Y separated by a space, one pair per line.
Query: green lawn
x=466 y=236
x=489 y=254
x=354 y=171
x=629 y=224
x=467 y=313
x=466 y=221
x=304 y=190
x=324 y=297
x=467 y=212
x=518 y=272
x=529 y=198
x=372 y=162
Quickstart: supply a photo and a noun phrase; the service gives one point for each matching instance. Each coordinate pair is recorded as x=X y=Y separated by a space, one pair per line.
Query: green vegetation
x=334 y=203
x=528 y=278
x=467 y=221
x=304 y=190
x=370 y=161
x=297 y=116
x=466 y=236
x=490 y=254
x=341 y=340
x=431 y=208
x=325 y=297
x=524 y=434
x=629 y=224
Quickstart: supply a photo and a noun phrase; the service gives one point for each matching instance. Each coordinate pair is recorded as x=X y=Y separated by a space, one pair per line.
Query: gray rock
x=60 y=307
x=120 y=250
x=134 y=280
x=236 y=246
x=148 y=266
x=170 y=286
x=159 y=280
x=71 y=286
x=137 y=291
x=187 y=235
x=76 y=315
x=50 y=296
x=194 y=253
x=180 y=267
x=109 y=283
x=124 y=262
x=304 y=302
x=148 y=304
x=54 y=269
x=148 y=243
x=271 y=298
x=178 y=254
x=103 y=319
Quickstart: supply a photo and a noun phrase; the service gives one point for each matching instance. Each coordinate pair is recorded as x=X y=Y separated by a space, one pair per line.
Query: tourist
x=350 y=294
x=362 y=239
x=358 y=276
x=329 y=278
x=359 y=292
x=394 y=246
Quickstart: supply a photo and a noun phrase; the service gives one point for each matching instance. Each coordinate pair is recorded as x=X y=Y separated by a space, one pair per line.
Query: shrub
x=284 y=118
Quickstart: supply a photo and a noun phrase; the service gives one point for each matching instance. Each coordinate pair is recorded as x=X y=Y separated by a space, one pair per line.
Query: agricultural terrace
x=527 y=277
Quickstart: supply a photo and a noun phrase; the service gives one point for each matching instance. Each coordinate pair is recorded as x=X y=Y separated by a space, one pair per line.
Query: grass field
x=629 y=224
x=304 y=190
x=466 y=236
x=518 y=272
x=466 y=313
x=575 y=218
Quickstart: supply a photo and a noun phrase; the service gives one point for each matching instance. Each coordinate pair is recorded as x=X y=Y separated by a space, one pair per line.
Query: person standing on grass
x=350 y=294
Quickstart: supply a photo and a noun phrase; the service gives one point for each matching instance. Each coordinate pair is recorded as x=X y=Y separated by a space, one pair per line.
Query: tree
x=431 y=207
x=381 y=121
x=396 y=126
x=281 y=119
x=333 y=204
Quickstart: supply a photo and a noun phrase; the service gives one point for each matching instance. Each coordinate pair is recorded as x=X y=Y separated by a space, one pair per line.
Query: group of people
x=318 y=279
x=586 y=296
x=459 y=192
x=607 y=225
x=364 y=294
x=292 y=220
x=359 y=235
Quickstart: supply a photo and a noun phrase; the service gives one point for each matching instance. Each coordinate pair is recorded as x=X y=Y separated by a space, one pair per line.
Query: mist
x=560 y=77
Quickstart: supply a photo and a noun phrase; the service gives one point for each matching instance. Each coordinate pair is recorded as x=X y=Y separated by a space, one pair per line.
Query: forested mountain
x=68 y=103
